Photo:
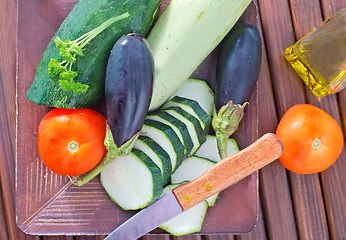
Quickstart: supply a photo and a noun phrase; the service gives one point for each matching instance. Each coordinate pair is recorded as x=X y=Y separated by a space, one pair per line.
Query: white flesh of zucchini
x=187 y=222
x=199 y=91
x=190 y=126
x=209 y=149
x=164 y=141
x=190 y=169
x=132 y=181
x=184 y=35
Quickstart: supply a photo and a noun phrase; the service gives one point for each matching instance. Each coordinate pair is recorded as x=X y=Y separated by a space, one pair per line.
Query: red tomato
x=70 y=141
x=312 y=139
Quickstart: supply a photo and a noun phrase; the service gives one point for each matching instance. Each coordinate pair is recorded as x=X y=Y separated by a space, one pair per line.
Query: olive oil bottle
x=320 y=57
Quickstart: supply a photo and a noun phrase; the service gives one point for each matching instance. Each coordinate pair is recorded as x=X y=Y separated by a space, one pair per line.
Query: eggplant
x=128 y=91
x=128 y=86
x=238 y=66
x=239 y=63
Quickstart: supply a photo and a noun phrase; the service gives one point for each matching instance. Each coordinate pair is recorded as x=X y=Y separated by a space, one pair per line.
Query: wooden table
x=292 y=206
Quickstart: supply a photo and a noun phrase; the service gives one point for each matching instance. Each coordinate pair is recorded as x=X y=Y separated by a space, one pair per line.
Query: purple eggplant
x=128 y=90
x=239 y=62
x=128 y=86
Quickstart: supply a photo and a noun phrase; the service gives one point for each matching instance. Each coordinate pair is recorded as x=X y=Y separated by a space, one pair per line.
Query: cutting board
x=48 y=204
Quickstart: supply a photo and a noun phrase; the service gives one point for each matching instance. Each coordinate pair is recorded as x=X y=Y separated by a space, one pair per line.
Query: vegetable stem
x=225 y=123
x=111 y=155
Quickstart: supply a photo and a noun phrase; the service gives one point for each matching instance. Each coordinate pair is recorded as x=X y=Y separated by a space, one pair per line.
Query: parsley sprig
x=68 y=51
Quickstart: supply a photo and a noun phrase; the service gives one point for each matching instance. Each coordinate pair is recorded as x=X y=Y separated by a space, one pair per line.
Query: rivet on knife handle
x=229 y=171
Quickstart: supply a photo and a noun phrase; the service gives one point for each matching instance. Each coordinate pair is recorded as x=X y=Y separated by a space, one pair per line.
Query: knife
x=222 y=175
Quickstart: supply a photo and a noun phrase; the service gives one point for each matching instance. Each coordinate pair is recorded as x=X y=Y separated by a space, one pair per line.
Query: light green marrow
x=184 y=35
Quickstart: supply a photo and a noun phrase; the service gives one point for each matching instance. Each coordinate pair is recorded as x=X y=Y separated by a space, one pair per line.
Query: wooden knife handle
x=229 y=171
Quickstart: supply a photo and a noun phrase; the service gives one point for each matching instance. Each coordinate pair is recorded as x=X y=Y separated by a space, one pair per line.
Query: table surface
x=291 y=206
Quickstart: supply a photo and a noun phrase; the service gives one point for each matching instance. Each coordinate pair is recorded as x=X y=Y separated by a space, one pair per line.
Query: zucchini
x=192 y=107
x=165 y=136
x=190 y=169
x=133 y=181
x=209 y=148
x=85 y=16
x=157 y=154
x=184 y=35
x=187 y=222
x=178 y=126
x=199 y=91
x=239 y=62
x=128 y=86
x=198 y=136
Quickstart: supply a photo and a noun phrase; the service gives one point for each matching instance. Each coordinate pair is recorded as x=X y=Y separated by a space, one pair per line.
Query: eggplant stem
x=225 y=123
x=112 y=153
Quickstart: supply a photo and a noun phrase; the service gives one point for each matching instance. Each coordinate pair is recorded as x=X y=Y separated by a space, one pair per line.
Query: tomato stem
x=73 y=146
x=316 y=143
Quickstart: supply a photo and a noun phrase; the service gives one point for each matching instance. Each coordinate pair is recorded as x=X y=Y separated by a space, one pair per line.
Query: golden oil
x=319 y=58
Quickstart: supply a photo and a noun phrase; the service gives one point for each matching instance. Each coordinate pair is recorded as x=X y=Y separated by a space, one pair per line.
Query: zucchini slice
x=209 y=148
x=190 y=169
x=178 y=126
x=197 y=134
x=192 y=107
x=133 y=181
x=187 y=222
x=199 y=91
x=165 y=136
x=157 y=154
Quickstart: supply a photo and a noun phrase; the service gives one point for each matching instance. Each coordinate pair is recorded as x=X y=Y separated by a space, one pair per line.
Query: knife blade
x=222 y=175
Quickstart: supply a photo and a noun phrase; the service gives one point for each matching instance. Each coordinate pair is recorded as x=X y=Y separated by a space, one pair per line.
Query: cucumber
x=184 y=35
x=198 y=136
x=165 y=136
x=133 y=181
x=178 y=126
x=199 y=91
x=190 y=169
x=187 y=222
x=157 y=154
x=91 y=68
x=209 y=148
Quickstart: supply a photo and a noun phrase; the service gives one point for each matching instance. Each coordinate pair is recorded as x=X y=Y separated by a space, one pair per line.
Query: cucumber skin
x=85 y=16
x=239 y=63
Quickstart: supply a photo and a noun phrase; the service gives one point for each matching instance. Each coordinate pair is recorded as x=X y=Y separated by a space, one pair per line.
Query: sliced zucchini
x=157 y=154
x=165 y=136
x=199 y=91
x=192 y=107
x=178 y=126
x=196 y=132
x=209 y=149
x=133 y=181
x=190 y=169
x=187 y=222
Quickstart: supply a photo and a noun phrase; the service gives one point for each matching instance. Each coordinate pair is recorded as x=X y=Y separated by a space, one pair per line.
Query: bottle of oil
x=320 y=57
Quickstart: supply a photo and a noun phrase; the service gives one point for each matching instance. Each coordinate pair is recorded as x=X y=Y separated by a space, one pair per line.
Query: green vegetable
x=87 y=87
x=69 y=50
x=184 y=35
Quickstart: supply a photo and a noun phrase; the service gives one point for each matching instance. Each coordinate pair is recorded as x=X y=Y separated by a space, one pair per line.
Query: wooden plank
x=3 y=224
x=7 y=115
x=275 y=194
x=333 y=178
x=289 y=90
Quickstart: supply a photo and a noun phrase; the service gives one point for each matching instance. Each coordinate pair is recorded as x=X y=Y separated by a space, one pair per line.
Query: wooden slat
x=7 y=115
x=275 y=194
x=3 y=224
x=334 y=179
x=289 y=90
